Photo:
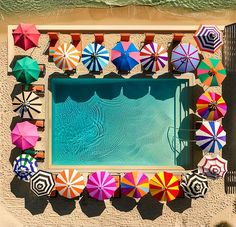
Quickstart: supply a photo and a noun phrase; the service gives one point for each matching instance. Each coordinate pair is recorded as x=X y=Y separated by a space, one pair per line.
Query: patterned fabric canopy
x=194 y=185
x=66 y=57
x=211 y=106
x=25 y=166
x=211 y=136
x=153 y=57
x=69 y=183
x=42 y=183
x=164 y=186
x=213 y=166
x=95 y=57
x=209 y=38
x=135 y=184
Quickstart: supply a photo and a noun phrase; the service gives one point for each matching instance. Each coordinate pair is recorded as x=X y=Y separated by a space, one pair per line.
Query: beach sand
x=15 y=197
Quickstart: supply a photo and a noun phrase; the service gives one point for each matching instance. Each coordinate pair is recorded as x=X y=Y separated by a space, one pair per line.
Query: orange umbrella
x=70 y=183
x=164 y=186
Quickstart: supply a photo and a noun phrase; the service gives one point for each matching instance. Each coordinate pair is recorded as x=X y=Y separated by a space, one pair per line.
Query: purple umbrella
x=185 y=58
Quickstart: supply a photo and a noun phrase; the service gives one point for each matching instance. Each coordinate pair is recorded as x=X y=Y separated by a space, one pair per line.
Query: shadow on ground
x=123 y=203
x=179 y=205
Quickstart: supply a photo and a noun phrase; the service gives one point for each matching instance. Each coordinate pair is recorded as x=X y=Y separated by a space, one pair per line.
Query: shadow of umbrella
x=124 y=203
x=19 y=188
x=179 y=205
x=149 y=208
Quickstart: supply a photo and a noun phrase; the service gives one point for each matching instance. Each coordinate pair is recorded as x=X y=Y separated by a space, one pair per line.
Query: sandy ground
x=20 y=208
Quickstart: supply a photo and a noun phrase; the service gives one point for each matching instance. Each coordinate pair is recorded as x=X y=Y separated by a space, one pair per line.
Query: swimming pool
x=120 y=122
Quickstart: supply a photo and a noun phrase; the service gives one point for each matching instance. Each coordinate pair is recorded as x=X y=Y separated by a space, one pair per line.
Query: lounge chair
x=39 y=89
x=149 y=38
x=125 y=37
x=54 y=192
x=117 y=193
x=177 y=37
x=99 y=38
x=53 y=42
x=76 y=41
x=42 y=68
x=38 y=123
x=39 y=155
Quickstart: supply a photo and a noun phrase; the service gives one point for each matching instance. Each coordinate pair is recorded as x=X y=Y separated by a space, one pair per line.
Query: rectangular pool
x=120 y=122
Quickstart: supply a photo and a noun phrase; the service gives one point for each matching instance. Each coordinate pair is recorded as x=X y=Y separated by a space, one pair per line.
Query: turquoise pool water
x=128 y=122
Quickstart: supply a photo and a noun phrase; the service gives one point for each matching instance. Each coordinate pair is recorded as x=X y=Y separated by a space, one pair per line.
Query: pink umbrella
x=26 y=36
x=24 y=135
x=101 y=185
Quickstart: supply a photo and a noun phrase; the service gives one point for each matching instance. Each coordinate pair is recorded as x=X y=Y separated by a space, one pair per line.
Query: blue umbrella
x=95 y=57
x=185 y=58
x=125 y=56
x=25 y=166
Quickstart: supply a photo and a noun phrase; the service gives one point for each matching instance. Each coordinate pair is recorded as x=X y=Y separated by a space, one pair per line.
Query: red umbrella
x=26 y=36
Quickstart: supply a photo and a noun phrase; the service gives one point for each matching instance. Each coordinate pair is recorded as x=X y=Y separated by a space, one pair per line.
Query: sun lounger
x=125 y=37
x=54 y=193
x=117 y=193
x=76 y=41
x=39 y=155
x=149 y=38
x=42 y=68
x=39 y=89
x=99 y=38
x=53 y=42
x=177 y=37
x=230 y=182
x=181 y=192
x=38 y=123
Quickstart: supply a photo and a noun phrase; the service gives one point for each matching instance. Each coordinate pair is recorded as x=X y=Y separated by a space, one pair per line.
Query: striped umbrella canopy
x=26 y=70
x=66 y=57
x=153 y=57
x=24 y=135
x=70 y=183
x=194 y=185
x=185 y=57
x=27 y=104
x=25 y=166
x=42 y=183
x=95 y=57
x=101 y=185
x=209 y=38
x=211 y=106
x=26 y=36
x=135 y=184
x=211 y=72
x=213 y=166
x=125 y=56
x=164 y=186
x=211 y=136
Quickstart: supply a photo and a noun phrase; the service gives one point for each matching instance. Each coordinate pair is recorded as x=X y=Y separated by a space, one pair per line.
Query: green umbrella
x=26 y=70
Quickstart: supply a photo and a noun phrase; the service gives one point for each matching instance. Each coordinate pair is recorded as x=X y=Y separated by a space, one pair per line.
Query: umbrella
x=25 y=166
x=209 y=38
x=211 y=136
x=194 y=185
x=42 y=183
x=125 y=56
x=66 y=57
x=26 y=70
x=101 y=185
x=70 y=183
x=164 y=186
x=27 y=104
x=24 y=135
x=135 y=184
x=95 y=57
x=26 y=36
x=213 y=167
x=185 y=57
x=211 y=106
x=211 y=72
x=153 y=57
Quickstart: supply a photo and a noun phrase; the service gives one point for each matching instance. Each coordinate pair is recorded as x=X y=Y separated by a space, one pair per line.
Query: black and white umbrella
x=27 y=104
x=42 y=183
x=194 y=185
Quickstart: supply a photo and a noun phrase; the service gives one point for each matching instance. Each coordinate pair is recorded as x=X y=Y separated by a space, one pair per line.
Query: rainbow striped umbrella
x=211 y=106
x=125 y=56
x=213 y=167
x=211 y=136
x=164 y=186
x=153 y=57
x=211 y=72
x=185 y=57
x=69 y=183
x=134 y=184
x=209 y=38
x=101 y=185
x=66 y=57
x=25 y=166
x=95 y=57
